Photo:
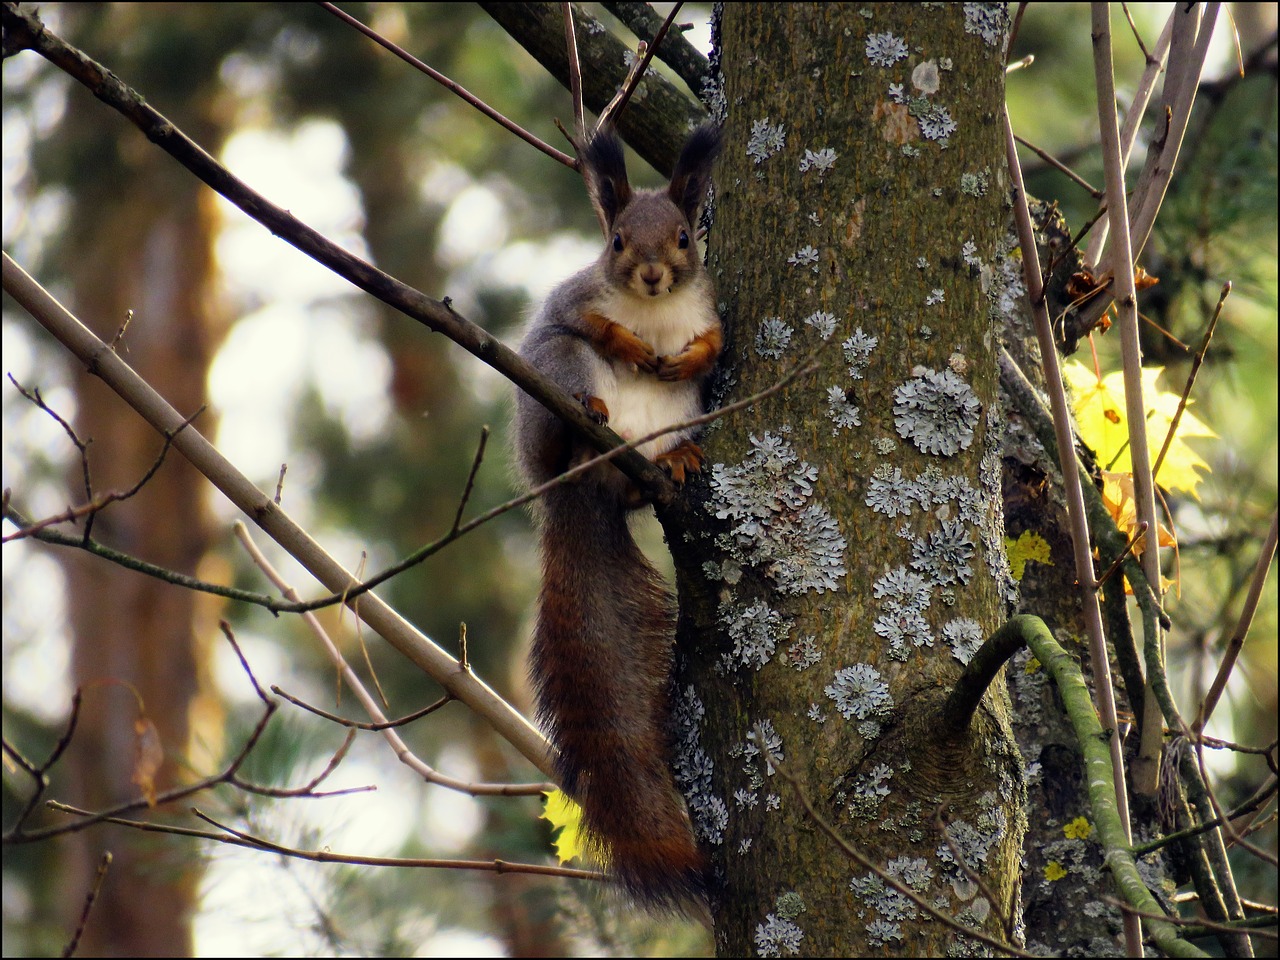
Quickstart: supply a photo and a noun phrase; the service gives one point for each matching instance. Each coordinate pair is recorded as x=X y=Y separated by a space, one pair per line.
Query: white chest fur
x=639 y=403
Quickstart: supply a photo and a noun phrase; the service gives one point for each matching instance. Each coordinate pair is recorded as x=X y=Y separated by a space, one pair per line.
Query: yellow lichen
x=1078 y=829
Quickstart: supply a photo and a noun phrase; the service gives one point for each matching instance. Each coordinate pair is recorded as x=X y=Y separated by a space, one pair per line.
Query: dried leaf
x=147 y=758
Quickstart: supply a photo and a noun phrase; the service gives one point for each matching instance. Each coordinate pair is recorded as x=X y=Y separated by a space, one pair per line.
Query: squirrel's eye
x=684 y=240
x=617 y=243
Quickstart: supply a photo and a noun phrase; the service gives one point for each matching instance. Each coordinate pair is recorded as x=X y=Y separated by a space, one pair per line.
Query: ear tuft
x=604 y=169
x=693 y=170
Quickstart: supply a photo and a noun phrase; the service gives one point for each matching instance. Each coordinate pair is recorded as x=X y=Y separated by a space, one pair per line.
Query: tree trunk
x=136 y=647
x=844 y=556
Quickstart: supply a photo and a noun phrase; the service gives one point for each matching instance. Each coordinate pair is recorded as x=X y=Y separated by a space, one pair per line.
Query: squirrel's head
x=650 y=249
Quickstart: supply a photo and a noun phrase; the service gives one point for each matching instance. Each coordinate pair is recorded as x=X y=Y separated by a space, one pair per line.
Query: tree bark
x=843 y=554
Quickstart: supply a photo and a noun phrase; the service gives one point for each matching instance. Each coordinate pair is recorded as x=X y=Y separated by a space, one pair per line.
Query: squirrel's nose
x=651 y=273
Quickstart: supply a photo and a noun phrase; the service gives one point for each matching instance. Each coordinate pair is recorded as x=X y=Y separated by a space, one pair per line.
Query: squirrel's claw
x=595 y=407
x=681 y=460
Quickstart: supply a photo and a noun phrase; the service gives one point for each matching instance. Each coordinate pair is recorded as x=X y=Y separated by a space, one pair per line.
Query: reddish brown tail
x=601 y=663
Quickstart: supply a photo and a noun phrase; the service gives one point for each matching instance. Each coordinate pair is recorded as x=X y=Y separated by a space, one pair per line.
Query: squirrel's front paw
x=595 y=407
x=697 y=358
x=683 y=366
x=629 y=348
x=681 y=460
x=616 y=342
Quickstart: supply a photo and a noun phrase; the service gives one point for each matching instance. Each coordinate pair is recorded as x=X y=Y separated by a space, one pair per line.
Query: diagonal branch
x=657 y=123
x=1099 y=660
x=452 y=86
x=268 y=515
x=24 y=29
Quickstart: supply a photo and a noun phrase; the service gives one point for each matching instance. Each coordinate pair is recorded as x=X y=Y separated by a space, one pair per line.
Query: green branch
x=1095 y=746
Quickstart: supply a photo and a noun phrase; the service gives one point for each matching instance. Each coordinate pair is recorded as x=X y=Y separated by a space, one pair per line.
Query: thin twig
x=619 y=103
x=360 y=724
x=1022 y=64
x=1236 y=643
x=115 y=341
x=82 y=446
x=471 y=478
x=1017 y=24
x=59 y=539
x=865 y=863
x=104 y=864
x=453 y=87
x=1006 y=920
x=241 y=839
x=1213 y=743
x=40 y=773
x=1196 y=361
x=1260 y=797
x=575 y=72
x=228 y=775
x=1191 y=925
x=1141 y=528
x=1099 y=657
x=350 y=678
x=244 y=664
x=1136 y=35
x=98 y=503
x=1061 y=167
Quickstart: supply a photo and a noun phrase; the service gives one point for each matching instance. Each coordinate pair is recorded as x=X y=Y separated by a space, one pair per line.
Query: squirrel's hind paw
x=679 y=461
x=595 y=407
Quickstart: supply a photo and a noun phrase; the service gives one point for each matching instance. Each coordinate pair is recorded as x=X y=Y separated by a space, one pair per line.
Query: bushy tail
x=601 y=662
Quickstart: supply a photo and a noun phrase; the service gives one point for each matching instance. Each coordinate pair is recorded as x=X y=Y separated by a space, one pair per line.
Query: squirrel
x=631 y=337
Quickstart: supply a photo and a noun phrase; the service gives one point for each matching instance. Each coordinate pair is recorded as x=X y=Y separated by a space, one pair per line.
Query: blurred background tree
x=378 y=421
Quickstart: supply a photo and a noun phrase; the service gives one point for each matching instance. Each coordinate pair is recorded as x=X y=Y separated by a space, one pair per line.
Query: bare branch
x=471 y=478
x=1191 y=378
x=104 y=864
x=688 y=62
x=242 y=839
x=436 y=662
x=453 y=87
x=349 y=677
x=1006 y=919
x=618 y=104
x=865 y=863
x=1147 y=765
x=575 y=74
x=1060 y=167
x=23 y=28
x=357 y=724
x=655 y=126
x=1099 y=658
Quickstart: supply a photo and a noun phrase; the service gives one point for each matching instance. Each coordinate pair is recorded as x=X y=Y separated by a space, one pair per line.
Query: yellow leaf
x=1099 y=409
x=566 y=816
x=1027 y=548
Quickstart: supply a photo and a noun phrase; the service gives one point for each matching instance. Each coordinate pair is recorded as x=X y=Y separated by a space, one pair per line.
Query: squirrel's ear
x=693 y=170
x=605 y=171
